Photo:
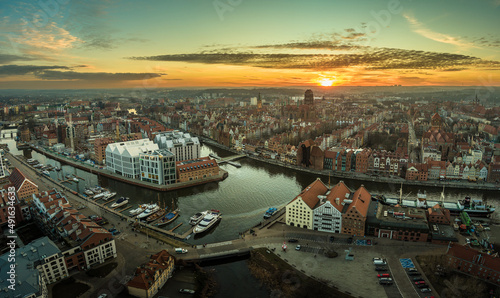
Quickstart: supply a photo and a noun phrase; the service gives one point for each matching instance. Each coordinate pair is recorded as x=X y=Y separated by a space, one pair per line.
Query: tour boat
x=150 y=210
x=195 y=219
x=207 y=222
x=120 y=202
x=170 y=217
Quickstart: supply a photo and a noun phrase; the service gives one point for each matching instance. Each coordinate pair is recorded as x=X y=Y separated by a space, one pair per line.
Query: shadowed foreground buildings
x=151 y=277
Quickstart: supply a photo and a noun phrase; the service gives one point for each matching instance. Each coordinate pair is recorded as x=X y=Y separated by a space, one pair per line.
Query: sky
x=69 y=44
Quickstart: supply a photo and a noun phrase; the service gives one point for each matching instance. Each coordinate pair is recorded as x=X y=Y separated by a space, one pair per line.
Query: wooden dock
x=176 y=227
x=126 y=208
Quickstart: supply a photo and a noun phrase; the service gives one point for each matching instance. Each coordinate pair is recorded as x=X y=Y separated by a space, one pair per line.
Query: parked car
x=412 y=270
x=368 y=242
x=187 y=291
x=293 y=240
x=349 y=240
x=383 y=275
x=421 y=282
x=332 y=238
x=413 y=273
x=425 y=290
x=379 y=268
x=422 y=286
x=297 y=247
x=417 y=279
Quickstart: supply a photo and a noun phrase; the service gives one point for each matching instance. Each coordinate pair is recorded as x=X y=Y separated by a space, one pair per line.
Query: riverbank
x=91 y=169
x=466 y=185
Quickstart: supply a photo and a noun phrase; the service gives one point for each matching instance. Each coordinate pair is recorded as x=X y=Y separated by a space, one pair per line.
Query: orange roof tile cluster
x=310 y=194
x=361 y=200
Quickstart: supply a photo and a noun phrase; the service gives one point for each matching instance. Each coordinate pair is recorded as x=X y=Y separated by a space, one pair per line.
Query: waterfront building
x=354 y=217
x=123 y=158
x=25 y=188
x=473 y=262
x=101 y=144
x=151 y=277
x=299 y=212
x=438 y=215
x=196 y=169
x=182 y=145
x=328 y=215
x=398 y=223
x=158 y=167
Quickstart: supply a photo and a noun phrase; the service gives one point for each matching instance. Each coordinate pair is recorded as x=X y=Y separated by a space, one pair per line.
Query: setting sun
x=327 y=82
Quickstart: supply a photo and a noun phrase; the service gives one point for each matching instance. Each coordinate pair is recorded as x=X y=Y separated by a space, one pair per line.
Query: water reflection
x=242 y=198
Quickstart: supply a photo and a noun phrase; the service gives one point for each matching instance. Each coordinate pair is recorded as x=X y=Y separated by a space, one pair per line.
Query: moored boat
x=120 y=202
x=156 y=215
x=270 y=212
x=75 y=179
x=109 y=195
x=148 y=211
x=88 y=192
x=138 y=210
x=101 y=195
x=195 y=219
x=170 y=217
x=45 y=172
x=207 y=222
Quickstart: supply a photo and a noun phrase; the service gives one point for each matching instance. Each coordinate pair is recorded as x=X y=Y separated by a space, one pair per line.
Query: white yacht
x=120 y=202
x=109 y=195
x=150 y=210
x=195 y=219
x=138 y=210
x=207 y=222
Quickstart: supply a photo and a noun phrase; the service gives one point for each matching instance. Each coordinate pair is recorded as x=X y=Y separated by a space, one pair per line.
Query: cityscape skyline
x=222 y=43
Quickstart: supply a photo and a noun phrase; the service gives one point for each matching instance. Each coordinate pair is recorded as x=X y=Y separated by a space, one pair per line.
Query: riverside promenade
x=364 y=177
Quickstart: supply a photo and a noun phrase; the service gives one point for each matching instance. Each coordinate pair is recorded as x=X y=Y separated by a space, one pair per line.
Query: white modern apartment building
x=158 y=167
x=182 y=145
x=123 y=158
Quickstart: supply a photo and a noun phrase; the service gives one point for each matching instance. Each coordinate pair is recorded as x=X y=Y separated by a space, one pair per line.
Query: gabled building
x=25 y=188
x=354 y=218
x=123 y=158
x=299 y=212
x=151 y=277
x=328 y=215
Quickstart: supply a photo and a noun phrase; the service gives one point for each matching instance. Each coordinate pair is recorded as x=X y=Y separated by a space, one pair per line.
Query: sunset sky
x=66 y=44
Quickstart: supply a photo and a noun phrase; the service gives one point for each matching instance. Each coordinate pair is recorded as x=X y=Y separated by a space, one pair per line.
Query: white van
x=377 y=261
x=181 y=250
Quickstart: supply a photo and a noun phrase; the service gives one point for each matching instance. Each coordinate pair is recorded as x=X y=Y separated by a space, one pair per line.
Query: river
x=242 y=198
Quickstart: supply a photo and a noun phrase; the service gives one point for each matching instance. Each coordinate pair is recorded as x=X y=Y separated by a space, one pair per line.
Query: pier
x=229 y=160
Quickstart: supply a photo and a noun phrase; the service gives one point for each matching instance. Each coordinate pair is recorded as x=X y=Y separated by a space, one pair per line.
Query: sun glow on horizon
x=327 y=82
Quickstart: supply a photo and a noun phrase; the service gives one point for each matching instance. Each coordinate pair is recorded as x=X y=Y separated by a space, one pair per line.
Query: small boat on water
x=120 y=202
x=88 y=192
x=149 y=211
x=75 y=179
x=195 y=219
x=45 y=172
x=170 y=217
x=207 y=222
x=270 y=212
x=57 y=169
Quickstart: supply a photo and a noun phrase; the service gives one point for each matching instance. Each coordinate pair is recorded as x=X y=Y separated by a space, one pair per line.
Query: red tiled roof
x=361 y=200
x=310 y=194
